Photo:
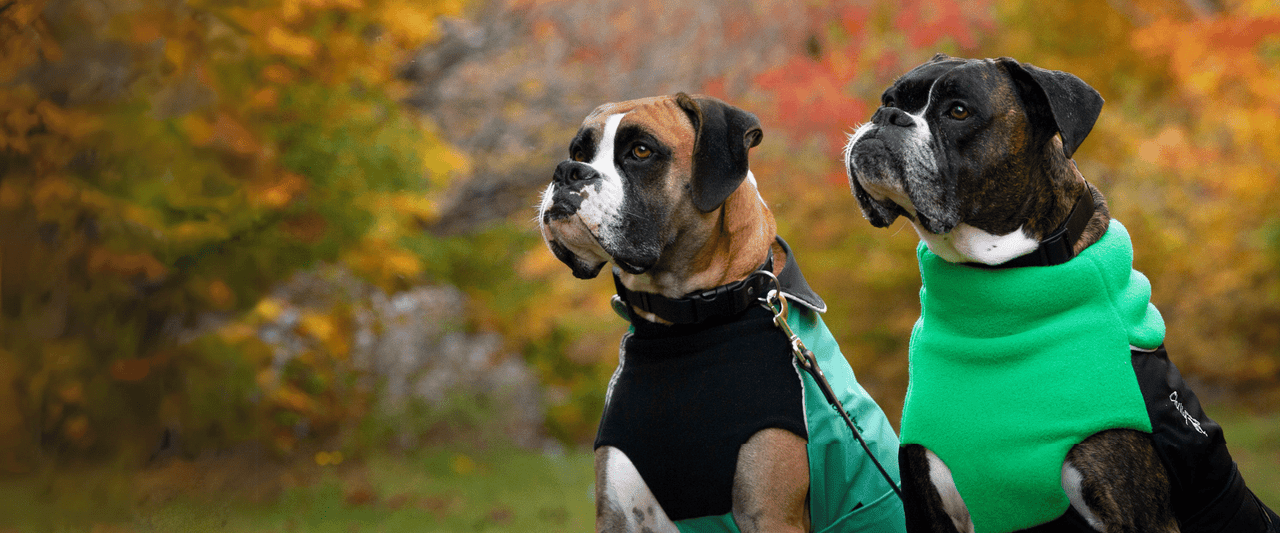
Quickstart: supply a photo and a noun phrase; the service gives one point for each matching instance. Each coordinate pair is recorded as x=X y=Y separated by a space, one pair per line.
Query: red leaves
x=927 y=23
x=810 y=97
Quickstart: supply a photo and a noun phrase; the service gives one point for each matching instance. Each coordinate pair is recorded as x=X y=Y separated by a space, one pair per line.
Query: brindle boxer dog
x=661 y=187
x=976 y=154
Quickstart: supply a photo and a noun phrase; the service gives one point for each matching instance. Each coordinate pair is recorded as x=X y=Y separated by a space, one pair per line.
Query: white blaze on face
x=919 y=163
x=601 y=208
x=599 y=216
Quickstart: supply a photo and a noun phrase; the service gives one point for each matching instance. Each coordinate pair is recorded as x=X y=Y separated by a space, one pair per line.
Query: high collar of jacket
x=985 y=304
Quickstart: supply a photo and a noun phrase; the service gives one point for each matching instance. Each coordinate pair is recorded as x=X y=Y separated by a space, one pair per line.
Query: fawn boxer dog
x=1041 y=397
x=708 y=424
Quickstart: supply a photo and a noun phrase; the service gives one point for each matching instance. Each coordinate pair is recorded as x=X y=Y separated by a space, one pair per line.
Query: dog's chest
x=680 y=407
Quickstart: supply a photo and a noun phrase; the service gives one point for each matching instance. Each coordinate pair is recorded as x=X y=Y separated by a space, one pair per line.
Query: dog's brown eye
x=641 y=151
x=958 y=112
x=579 y=156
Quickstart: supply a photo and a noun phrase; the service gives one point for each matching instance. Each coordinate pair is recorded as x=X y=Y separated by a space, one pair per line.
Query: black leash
x=777 y=304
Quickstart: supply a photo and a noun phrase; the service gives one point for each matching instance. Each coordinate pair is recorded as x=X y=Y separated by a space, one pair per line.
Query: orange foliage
x=166 y=160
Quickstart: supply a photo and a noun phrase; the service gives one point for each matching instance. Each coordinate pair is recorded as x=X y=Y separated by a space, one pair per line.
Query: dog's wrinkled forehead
x=911 y=91
x=657 y=116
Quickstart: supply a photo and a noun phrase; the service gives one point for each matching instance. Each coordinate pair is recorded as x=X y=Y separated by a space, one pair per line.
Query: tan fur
x=774 y=472
x=714 y=248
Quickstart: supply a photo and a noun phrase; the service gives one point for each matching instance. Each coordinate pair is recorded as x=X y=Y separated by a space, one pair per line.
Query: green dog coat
x=1011 y=368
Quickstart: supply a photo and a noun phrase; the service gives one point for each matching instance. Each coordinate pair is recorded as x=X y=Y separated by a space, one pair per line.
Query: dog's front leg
x=771 y=483
x=1116 y=481
x=624 y=502
x=929 y=495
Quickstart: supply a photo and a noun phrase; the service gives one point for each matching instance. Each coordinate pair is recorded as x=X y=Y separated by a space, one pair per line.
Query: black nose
x=569 y=172
x=892 y=115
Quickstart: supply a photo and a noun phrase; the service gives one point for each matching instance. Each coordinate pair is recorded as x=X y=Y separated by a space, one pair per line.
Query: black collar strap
x=722 y=301
x=725 y=300
x=1059 y=246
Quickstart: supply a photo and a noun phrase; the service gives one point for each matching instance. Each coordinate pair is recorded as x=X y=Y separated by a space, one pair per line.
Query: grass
x=1254 y=440
x=454 y=489
x=439 y=490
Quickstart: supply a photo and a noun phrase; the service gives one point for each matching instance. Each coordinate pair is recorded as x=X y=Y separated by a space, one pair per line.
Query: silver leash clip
x=776 y=302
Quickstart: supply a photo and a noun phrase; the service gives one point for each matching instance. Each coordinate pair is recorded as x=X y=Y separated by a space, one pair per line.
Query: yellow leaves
x=268 y=309
x=333 y=458
x=422 y=208
x=198 y=129
x=324 y=328
x=278 y=194
x=23 y=121
x=293 y=399
x=23 y=47
x=196 y=154
x=384 y=263
x=440 y=161
x=412 y=23
x=74 y=124
x=284 y=42
x=539 y=264
x=197 y=232
x=22 y=13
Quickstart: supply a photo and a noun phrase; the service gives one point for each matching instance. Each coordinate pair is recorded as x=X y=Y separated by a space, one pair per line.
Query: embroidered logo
x=1186 y=417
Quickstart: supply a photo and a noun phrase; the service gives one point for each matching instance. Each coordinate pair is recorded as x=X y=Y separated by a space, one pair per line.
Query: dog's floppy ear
x=1057 y=102
x=722 y=136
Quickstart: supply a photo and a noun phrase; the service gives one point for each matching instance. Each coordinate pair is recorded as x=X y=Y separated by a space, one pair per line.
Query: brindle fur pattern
x=1123 y=482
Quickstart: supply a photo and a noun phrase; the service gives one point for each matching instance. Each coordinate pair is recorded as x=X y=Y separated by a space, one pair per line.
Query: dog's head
x=963 y=141
x=642 y=174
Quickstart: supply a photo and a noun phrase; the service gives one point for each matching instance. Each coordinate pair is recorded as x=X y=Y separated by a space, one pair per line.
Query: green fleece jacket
x=1011 y=368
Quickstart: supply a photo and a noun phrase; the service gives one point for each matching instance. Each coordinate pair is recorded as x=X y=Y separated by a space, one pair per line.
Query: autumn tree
x=164 y=163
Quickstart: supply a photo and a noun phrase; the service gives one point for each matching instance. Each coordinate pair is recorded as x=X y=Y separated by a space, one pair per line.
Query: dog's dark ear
x=722 y=136
x=1057 y=102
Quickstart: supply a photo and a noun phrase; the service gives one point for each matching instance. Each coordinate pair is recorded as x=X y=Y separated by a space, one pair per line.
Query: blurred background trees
x=220 y=222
